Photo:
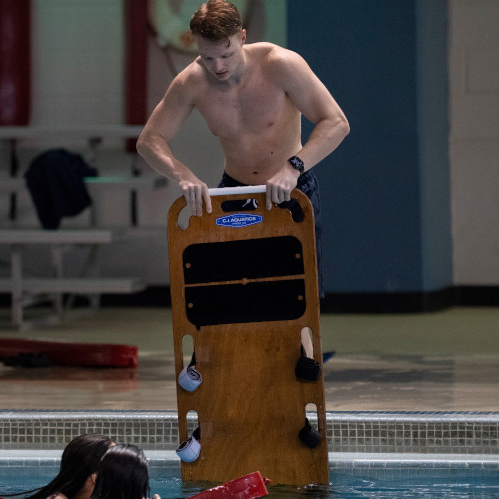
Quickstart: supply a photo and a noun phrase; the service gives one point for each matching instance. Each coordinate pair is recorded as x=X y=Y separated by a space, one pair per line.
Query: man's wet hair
x=217 y=21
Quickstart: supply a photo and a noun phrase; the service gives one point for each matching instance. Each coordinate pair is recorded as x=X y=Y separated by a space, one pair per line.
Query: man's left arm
x=314 y=101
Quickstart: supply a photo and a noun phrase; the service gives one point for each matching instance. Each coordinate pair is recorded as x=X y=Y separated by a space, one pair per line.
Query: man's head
x=216 y=21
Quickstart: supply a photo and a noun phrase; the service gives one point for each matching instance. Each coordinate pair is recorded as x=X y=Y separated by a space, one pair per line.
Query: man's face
x=220 y=59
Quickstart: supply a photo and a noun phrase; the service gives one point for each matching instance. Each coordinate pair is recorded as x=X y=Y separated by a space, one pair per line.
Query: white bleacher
x=27 y=290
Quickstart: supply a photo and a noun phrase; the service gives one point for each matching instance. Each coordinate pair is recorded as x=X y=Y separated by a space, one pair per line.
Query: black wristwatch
x=297 y=164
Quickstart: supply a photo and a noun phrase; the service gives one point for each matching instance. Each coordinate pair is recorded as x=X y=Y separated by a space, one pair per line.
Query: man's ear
x=243 y=35
x=93 y=477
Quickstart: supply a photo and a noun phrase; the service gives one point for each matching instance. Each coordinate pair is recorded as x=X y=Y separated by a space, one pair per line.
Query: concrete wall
x=474 y=140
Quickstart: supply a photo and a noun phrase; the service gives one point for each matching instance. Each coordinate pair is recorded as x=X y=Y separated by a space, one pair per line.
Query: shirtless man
x=252 y=97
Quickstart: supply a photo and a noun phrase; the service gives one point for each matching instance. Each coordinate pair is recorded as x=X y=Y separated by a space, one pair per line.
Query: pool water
x=344 y=486
x=406 y=483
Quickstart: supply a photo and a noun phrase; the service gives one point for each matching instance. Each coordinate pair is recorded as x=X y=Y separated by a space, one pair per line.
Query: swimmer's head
x=216 y=21
x=123 y=474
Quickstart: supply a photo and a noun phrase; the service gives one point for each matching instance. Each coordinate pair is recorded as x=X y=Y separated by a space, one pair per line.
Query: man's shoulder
x=186 y=84
x=276 y=61
x=273 y=54
x=191 y=74
x=266 y=49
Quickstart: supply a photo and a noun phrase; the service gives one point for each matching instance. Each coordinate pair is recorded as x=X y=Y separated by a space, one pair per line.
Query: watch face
x=296 y=162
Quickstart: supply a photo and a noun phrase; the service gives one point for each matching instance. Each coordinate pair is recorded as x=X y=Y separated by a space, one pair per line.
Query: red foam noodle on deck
x=71 y=354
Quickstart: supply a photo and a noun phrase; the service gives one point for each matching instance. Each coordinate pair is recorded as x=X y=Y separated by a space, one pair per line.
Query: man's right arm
x=152 y=145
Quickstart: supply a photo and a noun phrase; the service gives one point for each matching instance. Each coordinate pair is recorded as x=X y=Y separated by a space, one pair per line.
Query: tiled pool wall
x=347 y=432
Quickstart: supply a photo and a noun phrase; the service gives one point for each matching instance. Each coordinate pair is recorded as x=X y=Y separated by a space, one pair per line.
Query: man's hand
x=195 y=192
x=279 y=187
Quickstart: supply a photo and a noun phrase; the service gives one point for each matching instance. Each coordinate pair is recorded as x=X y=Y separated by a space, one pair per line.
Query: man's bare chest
x=245 y=109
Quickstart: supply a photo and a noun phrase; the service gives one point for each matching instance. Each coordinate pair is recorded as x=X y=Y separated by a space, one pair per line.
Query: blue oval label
x=239 y=220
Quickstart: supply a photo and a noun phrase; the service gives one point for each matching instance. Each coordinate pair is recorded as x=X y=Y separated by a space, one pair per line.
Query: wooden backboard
x=243 y=286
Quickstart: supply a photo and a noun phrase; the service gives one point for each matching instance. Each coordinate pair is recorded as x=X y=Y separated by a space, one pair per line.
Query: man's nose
x=218 y=64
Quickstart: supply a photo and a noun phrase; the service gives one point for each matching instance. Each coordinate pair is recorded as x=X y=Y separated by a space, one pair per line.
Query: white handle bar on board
x=245 y=189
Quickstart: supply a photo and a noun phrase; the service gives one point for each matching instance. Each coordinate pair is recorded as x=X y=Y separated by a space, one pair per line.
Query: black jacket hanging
x=55 y=180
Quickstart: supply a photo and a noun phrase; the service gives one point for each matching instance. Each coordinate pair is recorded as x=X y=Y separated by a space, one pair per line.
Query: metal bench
x=27 y=291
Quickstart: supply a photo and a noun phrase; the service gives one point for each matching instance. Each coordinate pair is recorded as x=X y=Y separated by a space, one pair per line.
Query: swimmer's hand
x=156 y=496
x=195 y=193
x=280 y=186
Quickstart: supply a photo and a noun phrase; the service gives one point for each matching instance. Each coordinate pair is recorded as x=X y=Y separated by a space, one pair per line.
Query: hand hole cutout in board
x=189 y=378
x=309 y=435
x=188 y=451
x=187 y=349
x=294 y=207
x=184 y=217
x=192 y=422
x=307 y=341
x=307 y=368
x=311 y=414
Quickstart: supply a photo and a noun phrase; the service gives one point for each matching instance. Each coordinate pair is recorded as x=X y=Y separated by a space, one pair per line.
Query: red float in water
x=249 y=486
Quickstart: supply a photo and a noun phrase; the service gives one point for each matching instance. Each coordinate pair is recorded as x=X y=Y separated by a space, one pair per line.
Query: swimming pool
x=374 y=476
